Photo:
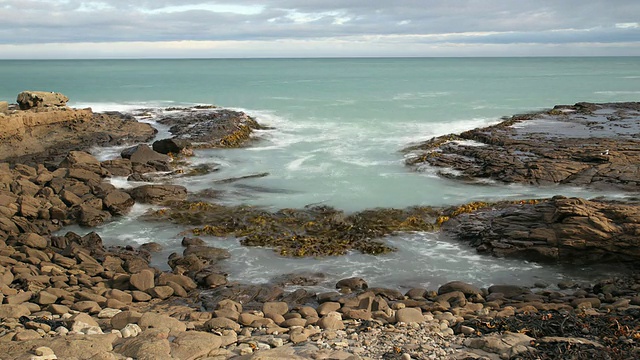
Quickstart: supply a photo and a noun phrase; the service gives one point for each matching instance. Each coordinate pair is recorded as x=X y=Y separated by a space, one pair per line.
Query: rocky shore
x=72 y=297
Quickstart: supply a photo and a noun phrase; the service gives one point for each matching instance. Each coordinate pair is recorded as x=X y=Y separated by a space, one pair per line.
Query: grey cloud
x=32 y=22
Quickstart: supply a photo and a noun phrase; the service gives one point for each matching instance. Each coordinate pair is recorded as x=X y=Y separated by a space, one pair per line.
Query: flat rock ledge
x=593 y=145
x=43 y=129
x=560 y=229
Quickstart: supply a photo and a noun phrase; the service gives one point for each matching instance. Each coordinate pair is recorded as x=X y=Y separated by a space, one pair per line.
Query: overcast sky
x=317 y=28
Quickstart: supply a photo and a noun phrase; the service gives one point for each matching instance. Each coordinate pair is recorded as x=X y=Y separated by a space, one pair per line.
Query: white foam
x=297 y=164
x=124 y=107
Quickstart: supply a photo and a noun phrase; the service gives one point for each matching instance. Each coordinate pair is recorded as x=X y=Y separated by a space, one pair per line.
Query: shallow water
x=339 y=126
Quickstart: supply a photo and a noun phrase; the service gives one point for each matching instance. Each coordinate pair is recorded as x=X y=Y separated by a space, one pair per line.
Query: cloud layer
x=356 y=28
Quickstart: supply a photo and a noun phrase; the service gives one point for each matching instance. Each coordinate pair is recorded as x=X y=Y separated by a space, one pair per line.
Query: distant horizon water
x=339 y=125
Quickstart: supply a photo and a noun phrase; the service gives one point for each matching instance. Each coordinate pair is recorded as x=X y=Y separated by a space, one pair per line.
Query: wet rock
x=211 y=127
x=118 y=202
x=548 y=147
x=568 y=230
x=171 y=146
x=142 y=154
x=158 y=194
x=207 y=252
x=466 y=289
x=353 y=284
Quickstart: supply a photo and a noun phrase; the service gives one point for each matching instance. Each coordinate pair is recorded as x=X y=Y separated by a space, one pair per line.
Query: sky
x=45 y=29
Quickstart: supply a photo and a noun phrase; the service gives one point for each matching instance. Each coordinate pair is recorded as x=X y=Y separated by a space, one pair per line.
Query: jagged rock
x=142 y=154
x=567 y=230
x=41 y=99
x=545 y=148
x=171 y=146
x=118 y=202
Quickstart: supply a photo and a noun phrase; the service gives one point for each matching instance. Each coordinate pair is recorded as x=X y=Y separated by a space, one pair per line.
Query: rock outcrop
x=566 y=230
x=207 y=128
x=593 y=145
x=46 y=135
x=41 y=99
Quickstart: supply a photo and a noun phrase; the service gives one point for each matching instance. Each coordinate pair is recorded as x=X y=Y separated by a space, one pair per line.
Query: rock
x=152 y=247
x=276 y=307
x=41 y=99
x=13 y=311
x=151 y=344
x=567 y=230
x=91 y=217
x=466 y=289
x=4 y=108
x=118 y=202
x=593 y=302
x=154 y=320
x=193 y=345
x=87 y=306
x=211 y=127
x=161 y=292
x=409 y=315
x=45 y=298
x=331 y=321
x=80 y=159
x=228 y=313
x=130 y=330
x=142 y=154
x=509 y=291
x=221 y=323
x=539 y=149
x=328 y=307
x=33 y=240
x=171 y=146
x=207 y=252
x=143 y=280
x=499 y=344
x=158 y=194
x=215 y=280
x=353 y=284
x=118 y=295
x=121 y=319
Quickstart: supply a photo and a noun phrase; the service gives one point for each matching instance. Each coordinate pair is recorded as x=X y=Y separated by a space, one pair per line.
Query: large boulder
x=171 y=146
x=41 y=99
x=142 y=154
x=4 y=107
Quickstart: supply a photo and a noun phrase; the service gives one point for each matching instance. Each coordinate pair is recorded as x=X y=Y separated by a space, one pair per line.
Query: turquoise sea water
x=339 y=126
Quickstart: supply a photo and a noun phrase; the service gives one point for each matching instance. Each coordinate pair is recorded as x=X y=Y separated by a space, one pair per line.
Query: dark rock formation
x=567 y=230
x=209 y=128
x=585 y=144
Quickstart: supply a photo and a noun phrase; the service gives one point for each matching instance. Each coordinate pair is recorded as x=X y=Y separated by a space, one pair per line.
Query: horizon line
x=319 y=57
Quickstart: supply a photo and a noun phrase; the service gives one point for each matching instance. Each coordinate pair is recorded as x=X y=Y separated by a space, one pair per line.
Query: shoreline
x=71 y=276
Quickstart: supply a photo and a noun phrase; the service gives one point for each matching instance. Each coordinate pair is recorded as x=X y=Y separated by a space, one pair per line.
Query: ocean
x=338 y=128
